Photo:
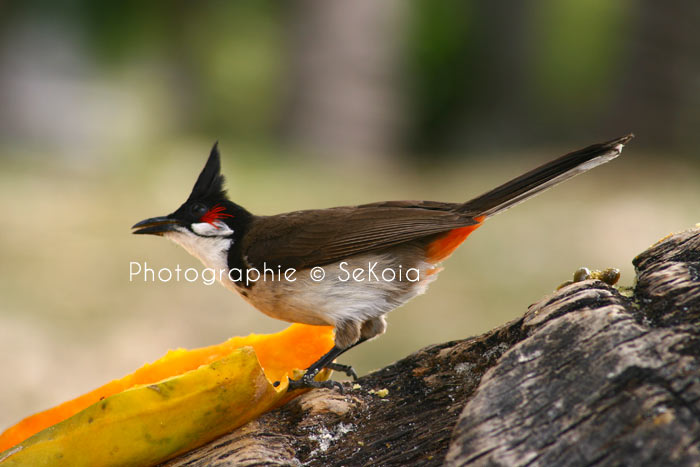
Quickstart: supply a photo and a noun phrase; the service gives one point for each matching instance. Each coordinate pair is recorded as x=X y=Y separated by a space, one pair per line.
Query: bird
x=348 y=266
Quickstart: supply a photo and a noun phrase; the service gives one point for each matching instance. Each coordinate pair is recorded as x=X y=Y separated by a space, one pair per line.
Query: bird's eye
x=198 y=210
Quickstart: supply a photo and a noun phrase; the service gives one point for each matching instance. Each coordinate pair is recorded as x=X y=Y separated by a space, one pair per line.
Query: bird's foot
x=347 y=369
x=308 y=381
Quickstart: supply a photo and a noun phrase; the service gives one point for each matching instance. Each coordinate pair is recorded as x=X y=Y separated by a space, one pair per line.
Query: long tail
x=546 y=176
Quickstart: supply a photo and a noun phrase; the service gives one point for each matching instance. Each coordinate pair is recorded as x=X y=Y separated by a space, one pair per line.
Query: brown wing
x=314 y=238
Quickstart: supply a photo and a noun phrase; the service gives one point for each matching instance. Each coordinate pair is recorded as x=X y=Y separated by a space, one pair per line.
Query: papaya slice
x=170 y=406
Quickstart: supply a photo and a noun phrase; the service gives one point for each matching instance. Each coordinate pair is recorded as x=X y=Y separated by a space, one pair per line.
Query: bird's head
x=207 y=215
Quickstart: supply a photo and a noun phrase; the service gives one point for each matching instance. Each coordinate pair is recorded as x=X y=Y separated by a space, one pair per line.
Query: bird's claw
x=308 y=381
x=347 y=369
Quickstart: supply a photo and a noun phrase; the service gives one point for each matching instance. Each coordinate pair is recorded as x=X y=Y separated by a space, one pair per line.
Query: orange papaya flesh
x=278 y=354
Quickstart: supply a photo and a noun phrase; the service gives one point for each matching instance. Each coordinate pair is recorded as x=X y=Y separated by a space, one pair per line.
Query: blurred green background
x=108 y=110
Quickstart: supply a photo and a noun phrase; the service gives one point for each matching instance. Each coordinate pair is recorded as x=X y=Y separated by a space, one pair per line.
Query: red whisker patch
x=214 y=214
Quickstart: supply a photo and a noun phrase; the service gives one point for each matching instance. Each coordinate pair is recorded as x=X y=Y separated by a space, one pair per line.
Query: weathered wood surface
x=587 y=376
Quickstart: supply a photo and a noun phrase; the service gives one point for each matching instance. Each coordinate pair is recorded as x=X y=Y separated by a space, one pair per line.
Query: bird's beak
x=155 y=226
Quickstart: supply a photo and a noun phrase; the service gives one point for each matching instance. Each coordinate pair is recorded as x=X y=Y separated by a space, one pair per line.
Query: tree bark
x=591 y=374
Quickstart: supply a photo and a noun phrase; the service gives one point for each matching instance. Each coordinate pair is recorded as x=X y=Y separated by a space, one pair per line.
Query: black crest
x=210 y=183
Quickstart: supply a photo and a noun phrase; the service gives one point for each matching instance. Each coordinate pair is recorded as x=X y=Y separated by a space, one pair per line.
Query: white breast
x=332 y=300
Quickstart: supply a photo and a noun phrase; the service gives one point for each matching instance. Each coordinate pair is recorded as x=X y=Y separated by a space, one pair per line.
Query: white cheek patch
x=212 y=251
x=216 y=229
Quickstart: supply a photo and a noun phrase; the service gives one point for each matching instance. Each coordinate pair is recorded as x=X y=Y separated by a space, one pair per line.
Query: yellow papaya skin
x=148 y=424
x=280 y=354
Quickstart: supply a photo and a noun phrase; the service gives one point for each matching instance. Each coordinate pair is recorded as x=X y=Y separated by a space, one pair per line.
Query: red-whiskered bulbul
x=407 y=238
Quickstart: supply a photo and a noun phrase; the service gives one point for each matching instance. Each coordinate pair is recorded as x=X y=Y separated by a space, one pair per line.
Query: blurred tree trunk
x=659 y=97
x=342 y=88
x=499 y=106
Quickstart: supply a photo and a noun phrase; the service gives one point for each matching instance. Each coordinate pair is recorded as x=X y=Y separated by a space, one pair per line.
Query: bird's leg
x=308 y=381
x=326 y=361
x=347 y=336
